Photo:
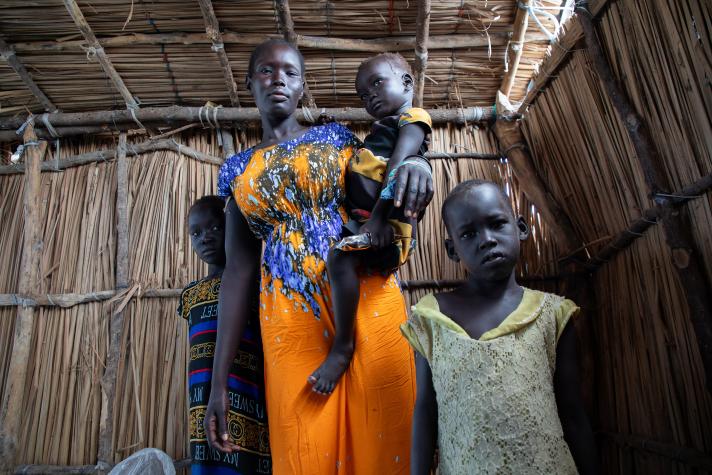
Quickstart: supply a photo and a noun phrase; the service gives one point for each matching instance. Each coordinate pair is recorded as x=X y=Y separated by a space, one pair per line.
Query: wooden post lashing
x=516 y=46
x=96 y=48
x=212 y=29
x=116 y=322
x=11 y=413
x=422 y=35
x=676 y=222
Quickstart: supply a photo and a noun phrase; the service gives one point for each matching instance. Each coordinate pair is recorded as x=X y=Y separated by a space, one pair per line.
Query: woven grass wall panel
x=648 y=359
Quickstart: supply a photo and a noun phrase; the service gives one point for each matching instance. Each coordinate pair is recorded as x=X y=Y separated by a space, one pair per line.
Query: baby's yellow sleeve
x=566 y=310
x=416 y=115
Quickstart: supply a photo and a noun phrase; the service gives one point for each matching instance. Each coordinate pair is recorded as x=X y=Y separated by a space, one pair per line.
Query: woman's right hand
x=215 y=422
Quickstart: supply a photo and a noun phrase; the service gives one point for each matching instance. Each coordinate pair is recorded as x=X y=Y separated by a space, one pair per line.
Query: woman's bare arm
x=238 y=289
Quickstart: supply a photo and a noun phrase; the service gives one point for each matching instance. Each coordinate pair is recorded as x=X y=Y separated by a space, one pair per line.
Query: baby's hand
x=380 y=231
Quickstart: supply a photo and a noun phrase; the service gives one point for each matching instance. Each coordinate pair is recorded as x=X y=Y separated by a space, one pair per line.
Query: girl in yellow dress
x=496 y=371
x=286 y=195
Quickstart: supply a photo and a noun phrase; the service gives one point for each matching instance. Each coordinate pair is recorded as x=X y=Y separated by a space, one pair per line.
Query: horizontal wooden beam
x=110 y=154
x=685 y=455
x=8 y=54
x=376 y=45
x=181 y=114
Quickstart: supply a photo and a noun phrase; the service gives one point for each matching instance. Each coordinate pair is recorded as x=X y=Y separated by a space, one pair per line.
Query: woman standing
x=288 y=192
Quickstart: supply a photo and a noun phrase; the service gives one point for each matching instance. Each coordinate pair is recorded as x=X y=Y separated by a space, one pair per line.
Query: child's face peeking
x=206 y=226
x=384 y=89
x=484 y=234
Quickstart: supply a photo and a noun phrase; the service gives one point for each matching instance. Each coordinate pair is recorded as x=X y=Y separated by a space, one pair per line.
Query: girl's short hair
x=211 y=202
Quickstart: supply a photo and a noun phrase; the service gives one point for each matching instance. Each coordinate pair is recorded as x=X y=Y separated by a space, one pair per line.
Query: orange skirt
x=363 y=427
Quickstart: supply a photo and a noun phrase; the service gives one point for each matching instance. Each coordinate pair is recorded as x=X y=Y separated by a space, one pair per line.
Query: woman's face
x=276 y=82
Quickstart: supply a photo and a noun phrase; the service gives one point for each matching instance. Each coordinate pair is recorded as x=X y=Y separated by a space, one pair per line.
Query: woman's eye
x=265 y=70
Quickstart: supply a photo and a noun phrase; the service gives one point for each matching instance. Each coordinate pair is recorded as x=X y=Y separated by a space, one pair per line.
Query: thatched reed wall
x=648 y=370
x=69 y=346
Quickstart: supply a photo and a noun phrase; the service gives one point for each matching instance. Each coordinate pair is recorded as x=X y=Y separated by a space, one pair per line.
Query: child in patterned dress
x=247 y=417
x=380 y=234
x=496 y=372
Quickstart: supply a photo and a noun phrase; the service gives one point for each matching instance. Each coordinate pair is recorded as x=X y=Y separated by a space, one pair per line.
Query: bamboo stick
x=8 y=54
x=173 y=114
x=212 y=29
x=676 y=225
x=421 y=50
x=515 y=47
x=12 y=404
x=98 y=50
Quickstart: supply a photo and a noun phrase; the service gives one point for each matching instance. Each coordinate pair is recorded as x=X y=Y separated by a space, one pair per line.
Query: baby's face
x=383 y=88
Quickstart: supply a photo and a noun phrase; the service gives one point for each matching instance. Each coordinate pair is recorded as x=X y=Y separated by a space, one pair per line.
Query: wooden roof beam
x=286 y=27
x=8 y=54
x=184 y=114
x=421 y=49
x=212 y=29
x=96 y=48
x=516 y=46
x=375 y=45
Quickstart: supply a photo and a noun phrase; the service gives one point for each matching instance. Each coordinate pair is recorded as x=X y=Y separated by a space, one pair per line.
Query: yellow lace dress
x=496 y=406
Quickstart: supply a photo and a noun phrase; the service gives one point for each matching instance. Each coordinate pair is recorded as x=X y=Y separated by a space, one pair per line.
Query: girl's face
x=484 y=234
x=276 y=82
x=206 y=226
x=383 y=89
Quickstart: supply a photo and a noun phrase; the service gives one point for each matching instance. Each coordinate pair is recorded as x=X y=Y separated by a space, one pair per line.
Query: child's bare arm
x=410 y=138
x=425 y=420
x=574 y=422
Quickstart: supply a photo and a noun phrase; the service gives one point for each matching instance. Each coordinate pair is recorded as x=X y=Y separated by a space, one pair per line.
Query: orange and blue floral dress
x=292 y=195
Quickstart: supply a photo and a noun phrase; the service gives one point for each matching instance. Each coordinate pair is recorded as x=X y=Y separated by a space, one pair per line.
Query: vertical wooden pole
x=12 y=412
x=516 y=46
x=228 y=145
x=512 y=142
x=116 y=322
x=676 y=222
x=422 y=35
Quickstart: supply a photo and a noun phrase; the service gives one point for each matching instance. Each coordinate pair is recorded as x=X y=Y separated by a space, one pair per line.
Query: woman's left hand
x=414 y=185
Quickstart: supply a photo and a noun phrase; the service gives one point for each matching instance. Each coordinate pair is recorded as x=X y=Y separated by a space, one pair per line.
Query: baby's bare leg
x=345 y=290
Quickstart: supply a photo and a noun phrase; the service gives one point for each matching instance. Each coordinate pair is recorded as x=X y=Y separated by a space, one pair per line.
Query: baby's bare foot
x=326 y=376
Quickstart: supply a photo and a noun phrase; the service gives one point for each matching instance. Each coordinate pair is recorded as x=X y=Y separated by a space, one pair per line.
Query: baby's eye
x=265 y=70
x=377 y=82
x=363 y=97
x=216 y=228
x=292 y=73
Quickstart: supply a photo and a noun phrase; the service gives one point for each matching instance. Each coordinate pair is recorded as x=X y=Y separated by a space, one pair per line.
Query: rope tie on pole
x=132 y=108
x=536 y=9
x=48 y=125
